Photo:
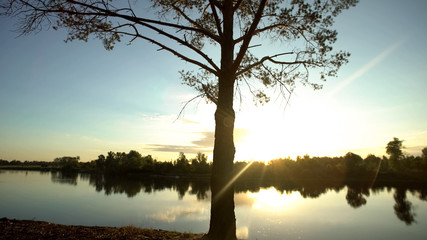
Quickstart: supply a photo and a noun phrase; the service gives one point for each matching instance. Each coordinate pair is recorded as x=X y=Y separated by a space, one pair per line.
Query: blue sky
x=68 y=99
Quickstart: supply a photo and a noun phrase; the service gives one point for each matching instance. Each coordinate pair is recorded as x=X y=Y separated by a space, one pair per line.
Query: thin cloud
x=207 y=141
x=203 y=144
x=208 y=138
x=174 y=148
x=187 y=121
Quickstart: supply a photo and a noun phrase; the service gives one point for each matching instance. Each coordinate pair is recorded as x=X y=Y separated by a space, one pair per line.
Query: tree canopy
x=303 y=28
x=394 y=149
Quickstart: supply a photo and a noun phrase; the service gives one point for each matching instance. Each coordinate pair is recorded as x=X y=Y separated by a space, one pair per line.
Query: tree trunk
x=223 y=220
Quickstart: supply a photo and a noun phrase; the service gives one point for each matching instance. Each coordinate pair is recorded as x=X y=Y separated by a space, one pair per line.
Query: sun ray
x=379 y=58
x=230 y=183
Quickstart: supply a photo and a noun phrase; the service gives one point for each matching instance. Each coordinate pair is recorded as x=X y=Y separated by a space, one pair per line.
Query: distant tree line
x=134 y=162
x=119 y=163
x=348 y=167
x=351 y=166
x=26 y=164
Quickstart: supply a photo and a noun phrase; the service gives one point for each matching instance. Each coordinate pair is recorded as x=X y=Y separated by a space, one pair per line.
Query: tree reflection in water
x=132 y=186
x=64 y=177
x=403 y=208
x=356 y=197
x=356 y=193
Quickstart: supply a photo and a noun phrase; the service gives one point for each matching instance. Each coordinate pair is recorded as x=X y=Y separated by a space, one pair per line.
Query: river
x=286 y=211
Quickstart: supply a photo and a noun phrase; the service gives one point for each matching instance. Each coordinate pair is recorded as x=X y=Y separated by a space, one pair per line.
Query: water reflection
x=64 y=177
x=170 y=215
x=356 y=195
x=265 y=195
x=132 y=186
x=403 y=208
x=272 y=200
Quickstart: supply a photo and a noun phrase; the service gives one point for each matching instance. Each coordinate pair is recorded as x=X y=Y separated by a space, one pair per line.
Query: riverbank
x=35 y=230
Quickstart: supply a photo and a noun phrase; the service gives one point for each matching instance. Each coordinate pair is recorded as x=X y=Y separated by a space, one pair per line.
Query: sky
x=77 y=99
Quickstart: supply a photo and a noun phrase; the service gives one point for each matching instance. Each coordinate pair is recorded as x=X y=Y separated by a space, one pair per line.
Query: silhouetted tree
x=67 y=163
x=201 y=159
x=182 y=164
x=111 y=161
x=235 y=27
x=4 y=162
x=424 y=153
x=394 y=149
x=133 y=161
x=100 y=162
x=353 y=163
x=372 y=163
x=424 y=159
x=148 y=163
x=200 y=164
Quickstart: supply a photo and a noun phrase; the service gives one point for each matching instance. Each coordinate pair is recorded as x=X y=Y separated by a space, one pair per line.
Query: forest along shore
x=27 y=229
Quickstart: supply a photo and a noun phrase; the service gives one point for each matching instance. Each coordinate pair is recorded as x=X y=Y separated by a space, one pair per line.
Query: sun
x=265 y=136
x=308 y=127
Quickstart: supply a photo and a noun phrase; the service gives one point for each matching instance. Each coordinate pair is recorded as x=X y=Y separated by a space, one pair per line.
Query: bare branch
x=248 y=36
x=249 y=67
x=249 y=86
x=216 y=3
x=191 y=21
x=164 y=47
x=135 y=19
x=186 y=103
x=215 y=14
x=208 y=94
x=261 y=30
x=184 y=43
x=281 y=83
x=237 y=5
x=143 y=22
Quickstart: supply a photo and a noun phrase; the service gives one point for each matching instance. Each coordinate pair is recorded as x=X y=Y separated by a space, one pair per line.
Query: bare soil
x=28 y=229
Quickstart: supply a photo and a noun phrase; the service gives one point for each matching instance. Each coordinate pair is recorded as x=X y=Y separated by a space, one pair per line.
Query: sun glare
x=310 y=126
x=271 y=199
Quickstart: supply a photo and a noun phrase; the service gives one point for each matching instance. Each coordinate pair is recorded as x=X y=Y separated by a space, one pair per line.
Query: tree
x=4 y=162
x=424 y=153
x=202 y=159
x=199 y=164
x=111 y=162
x=67 y=163
x=353 y=163
x=100 y=162
x=133 y=161
x=424 y=159
x=394 y=149
x=148 y=163
x=182 y=163
x=372 y=163
x=235 y=28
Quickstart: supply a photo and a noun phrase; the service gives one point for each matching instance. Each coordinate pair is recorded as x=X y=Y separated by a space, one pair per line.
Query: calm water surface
x=345 y=212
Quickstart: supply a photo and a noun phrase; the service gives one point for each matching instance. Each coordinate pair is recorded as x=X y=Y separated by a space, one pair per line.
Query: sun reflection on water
x=272 y=200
